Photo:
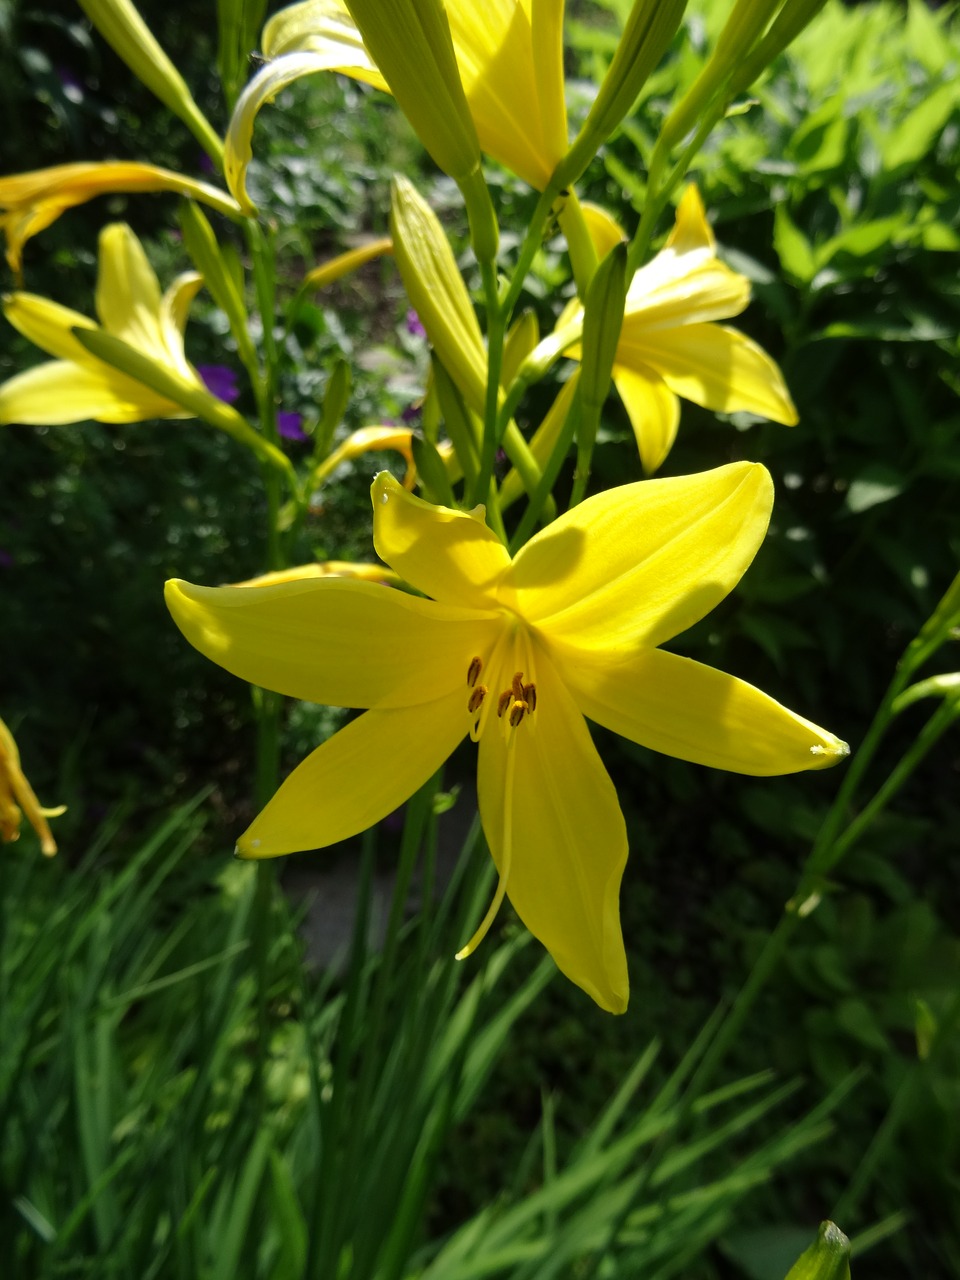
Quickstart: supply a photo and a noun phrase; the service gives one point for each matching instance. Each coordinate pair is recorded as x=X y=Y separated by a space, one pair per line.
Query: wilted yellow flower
x=510 y=58
x=670 y=346
x=76 y=385
x=514 y=653
x=29 y=202
x=17 y=798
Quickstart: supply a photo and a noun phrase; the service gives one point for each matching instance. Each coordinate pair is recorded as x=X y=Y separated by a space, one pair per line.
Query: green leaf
x=876 y=483
x=856 y=1019
x=828 y=1259
x=863 y=239
x=918 y=131
x=793 y=248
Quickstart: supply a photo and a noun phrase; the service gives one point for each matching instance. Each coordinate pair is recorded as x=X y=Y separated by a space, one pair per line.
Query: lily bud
x=755 y=32
x=335 y=401
x=828 y=1259
x=602 y=321
x=167 y=382
x=436 y=291
x=121 y=25
x=335 y=268
x=410 y=42
x=650 y=27
x=463 y=427
x=207 y=256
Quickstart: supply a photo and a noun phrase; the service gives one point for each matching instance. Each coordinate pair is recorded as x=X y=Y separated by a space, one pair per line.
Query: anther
x=530 y=696
x=517 y=686
x=473 y=671
x=504 y=701
x=475 y=701
x=517 y=712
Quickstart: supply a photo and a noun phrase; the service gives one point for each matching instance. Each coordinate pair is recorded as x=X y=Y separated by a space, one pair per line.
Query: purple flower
x=289 y=424
x=412 y=413
x=6 y=559
x=220 y=381
x=205 y=164
x=414 y=326
x=72 y=88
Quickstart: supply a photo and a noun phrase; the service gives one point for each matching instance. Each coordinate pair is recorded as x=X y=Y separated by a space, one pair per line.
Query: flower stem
x=833 y=841
x=496 y=328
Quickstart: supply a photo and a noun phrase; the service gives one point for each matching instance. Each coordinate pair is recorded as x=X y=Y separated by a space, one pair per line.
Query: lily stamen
x=473 y=671
x=491 y=914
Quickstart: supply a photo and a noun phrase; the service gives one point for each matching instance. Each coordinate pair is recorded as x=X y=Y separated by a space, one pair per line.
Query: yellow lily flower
x=17 y=798
x=515 y=653
x=76 y=386
x=669 y=346
x=510 y=57
x=30 y=202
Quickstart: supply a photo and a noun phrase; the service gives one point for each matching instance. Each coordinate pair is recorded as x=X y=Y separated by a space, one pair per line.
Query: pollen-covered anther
x=517 y=711
x=473 y=671
x=504 y=701
x=475 y=701
x=530 y=696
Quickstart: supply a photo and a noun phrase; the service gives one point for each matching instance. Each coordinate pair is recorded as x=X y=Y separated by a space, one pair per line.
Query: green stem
x=658 y=193
x=830 y=845
x=541 y=493
x=530 y=246
x=929 y=735
x=496 y=329
x=267 y=703
x=583 y=253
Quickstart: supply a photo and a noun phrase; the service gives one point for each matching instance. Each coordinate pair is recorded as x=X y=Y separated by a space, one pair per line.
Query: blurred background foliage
x=834 y=188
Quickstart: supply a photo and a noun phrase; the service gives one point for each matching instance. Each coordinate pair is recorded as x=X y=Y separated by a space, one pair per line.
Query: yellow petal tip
x=830 y=752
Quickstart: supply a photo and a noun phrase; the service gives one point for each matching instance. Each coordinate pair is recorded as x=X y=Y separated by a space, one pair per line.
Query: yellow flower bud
x=121 y=25
x=410 y=42
x=437 y=292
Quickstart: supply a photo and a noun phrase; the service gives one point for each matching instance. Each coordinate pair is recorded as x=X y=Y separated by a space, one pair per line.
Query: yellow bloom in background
x=669 y=344
x=509 y=54
x=17 y=799
x=515 y=653
x=30 y=202
x=76 y=386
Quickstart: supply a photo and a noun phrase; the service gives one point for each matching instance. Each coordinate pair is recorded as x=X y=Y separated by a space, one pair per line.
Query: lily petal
x=60 y=392
x=361 y=774
x=317 y=26
x=686 y=709
x=653 y=409
x=640 y=563
x=450 y=555
x=672 y=292
x=128 y=292
x=715 y=367
x=48 y=325
x=691 y=231
x=605 y=232
x=18 y=799
x=333 y=641
x=173 y=316
x=569 y=842
x=517 y=104
x=32 y=201
x=322 y=54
